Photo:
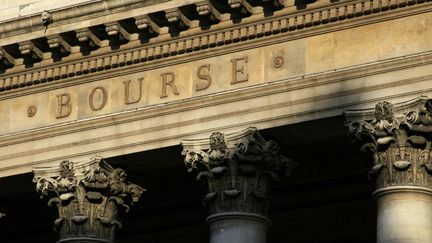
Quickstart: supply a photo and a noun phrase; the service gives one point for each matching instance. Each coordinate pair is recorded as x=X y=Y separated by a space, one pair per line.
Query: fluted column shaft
x=400 y=148
x=238 y=169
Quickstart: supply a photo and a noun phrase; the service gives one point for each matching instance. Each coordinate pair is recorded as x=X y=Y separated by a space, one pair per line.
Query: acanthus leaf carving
x=88 y=197
x=238 y=171
x=398 y=145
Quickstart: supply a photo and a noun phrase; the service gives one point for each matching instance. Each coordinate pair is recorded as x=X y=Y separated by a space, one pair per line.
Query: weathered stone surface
x=404 y=217
x=235 y=228
x=399 y=145
x=398 y=142
x=89 y=197
x=238 y=170
x=320 y=53
x=28 y=7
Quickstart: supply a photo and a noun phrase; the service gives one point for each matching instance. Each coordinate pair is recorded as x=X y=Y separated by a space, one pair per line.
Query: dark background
x=326 y=200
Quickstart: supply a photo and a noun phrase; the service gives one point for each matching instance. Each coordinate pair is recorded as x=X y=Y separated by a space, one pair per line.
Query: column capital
x=238 y=168
x=89 y=196
x=398 y=142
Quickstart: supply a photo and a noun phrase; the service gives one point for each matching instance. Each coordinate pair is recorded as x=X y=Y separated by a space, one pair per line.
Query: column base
x=401 y=189
x=84 y=240
x=404 y=214
x=238 y=227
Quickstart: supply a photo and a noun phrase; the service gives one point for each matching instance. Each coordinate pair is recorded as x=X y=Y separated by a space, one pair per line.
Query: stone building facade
x=223 y=121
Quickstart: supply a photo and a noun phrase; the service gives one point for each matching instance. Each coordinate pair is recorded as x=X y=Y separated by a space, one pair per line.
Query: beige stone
x=404 y=218
x=320 y=53
x=46 y=5
x=14 y=9
x=293 y=56
x=118 y=129
x=404 y=36
x=181 y=81
x=367 y=44
x=357 y=46
x=9 y=13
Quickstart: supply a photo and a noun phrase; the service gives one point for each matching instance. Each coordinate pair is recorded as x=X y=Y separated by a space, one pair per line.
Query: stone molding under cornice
x=276 y=29
x=361 y=114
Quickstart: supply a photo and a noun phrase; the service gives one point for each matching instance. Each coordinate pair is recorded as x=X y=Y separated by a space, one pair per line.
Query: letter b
x=64 y=107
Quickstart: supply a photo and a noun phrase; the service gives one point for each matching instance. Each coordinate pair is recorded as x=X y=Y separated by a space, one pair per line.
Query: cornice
x=97 y=8
x=224 y=37
x=76 y=12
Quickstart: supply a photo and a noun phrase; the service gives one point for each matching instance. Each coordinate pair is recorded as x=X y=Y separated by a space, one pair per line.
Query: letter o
x=104 y=99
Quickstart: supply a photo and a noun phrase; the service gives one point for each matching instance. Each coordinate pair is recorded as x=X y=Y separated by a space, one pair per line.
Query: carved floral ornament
x=89 y=197
x=399 y=145
x=238 y=170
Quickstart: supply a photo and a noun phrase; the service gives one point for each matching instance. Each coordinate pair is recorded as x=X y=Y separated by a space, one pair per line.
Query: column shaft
x=238 y=228
x=400 y=148
x=404 y=215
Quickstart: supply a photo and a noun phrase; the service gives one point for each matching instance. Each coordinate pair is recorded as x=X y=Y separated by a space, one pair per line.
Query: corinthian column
x=399 y=146
x=89 y=197
x=238 y=169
